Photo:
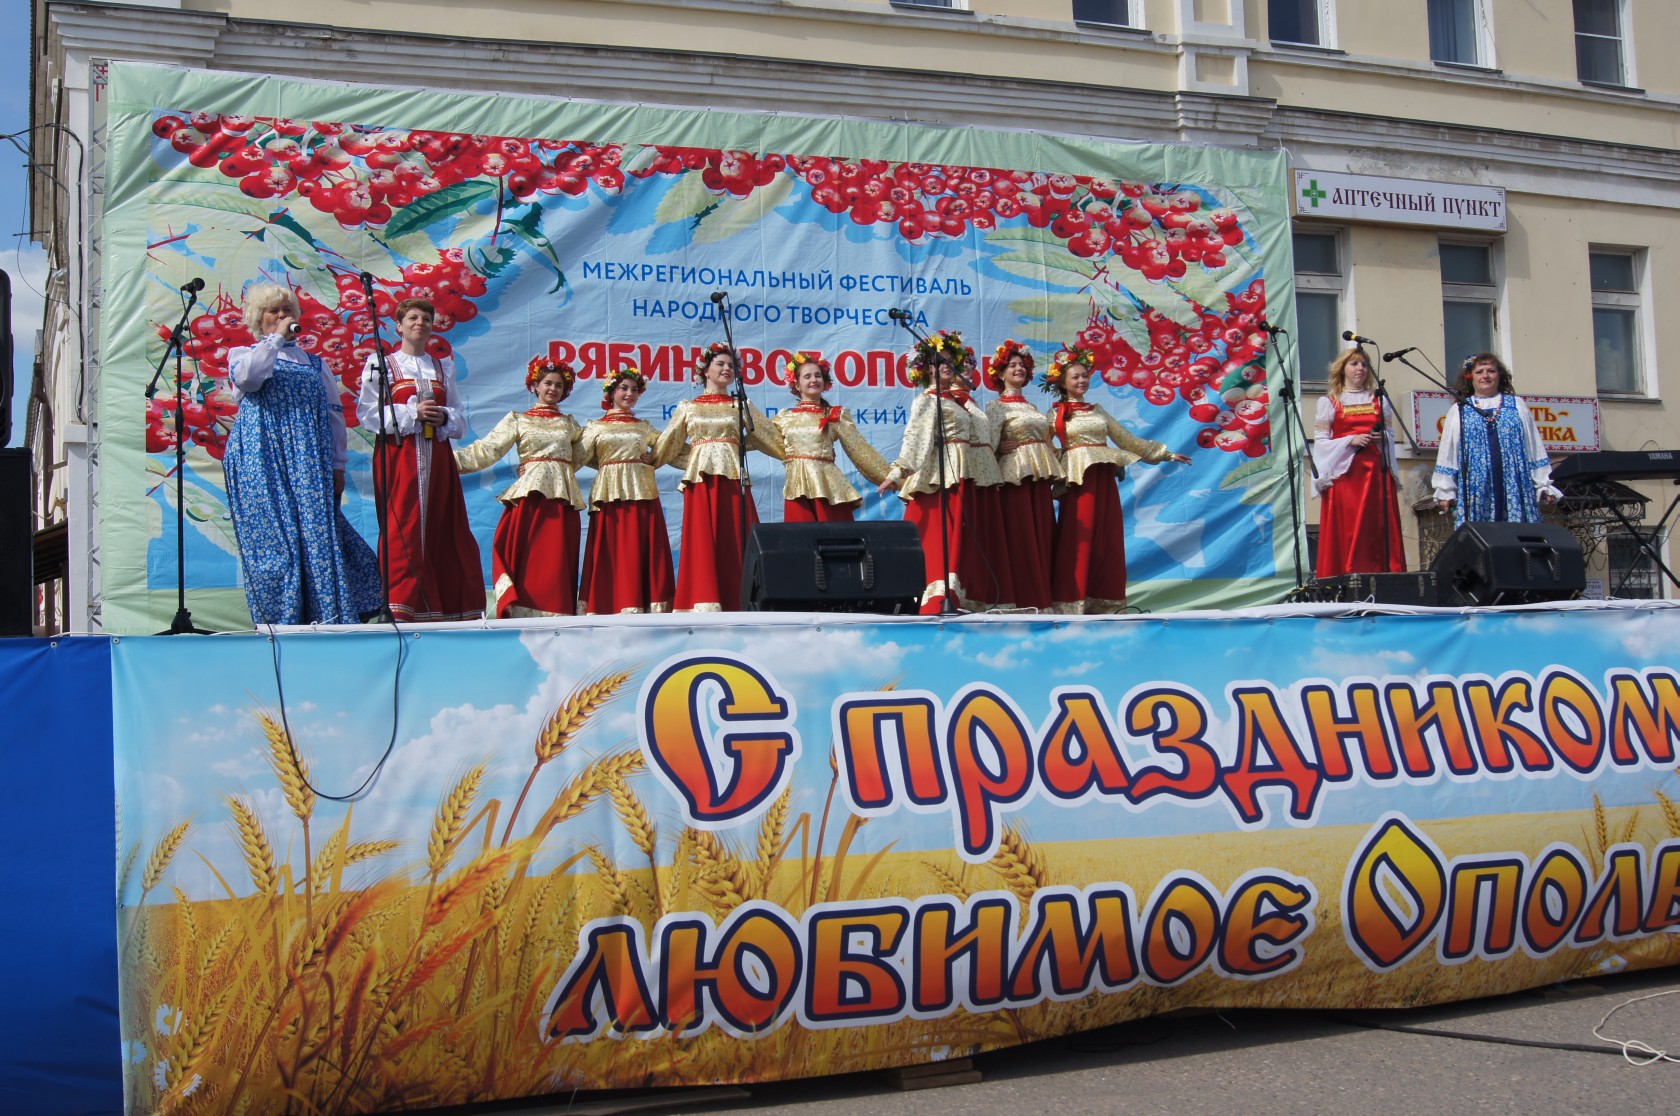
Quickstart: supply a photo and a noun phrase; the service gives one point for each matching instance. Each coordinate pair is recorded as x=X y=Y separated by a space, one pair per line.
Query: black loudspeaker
x=17 y=545
x=1416 y=588
x=833 y=567
x=1509 y=563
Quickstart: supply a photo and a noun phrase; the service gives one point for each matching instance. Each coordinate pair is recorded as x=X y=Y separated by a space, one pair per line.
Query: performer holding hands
x=627 y=561
x=816 y=490
x=428 y=550
x=534 y=557
x=1359 y=520
x=1492 y=460
x=703 y=437
x=1027 y=461
x=1089 y=561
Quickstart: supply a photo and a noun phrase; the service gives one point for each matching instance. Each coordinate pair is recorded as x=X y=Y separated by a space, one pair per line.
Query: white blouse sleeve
x=250 y=366
x=1446 y=458
x=1331 y=455
x=1539 y=465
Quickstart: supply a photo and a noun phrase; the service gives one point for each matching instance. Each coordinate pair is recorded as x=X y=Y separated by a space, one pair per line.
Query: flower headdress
x=1067 y=358
x=628 y=372
x=1000 y=361
x=802 y=358
x=541 y=366
x=946 y=344
x=712 y=351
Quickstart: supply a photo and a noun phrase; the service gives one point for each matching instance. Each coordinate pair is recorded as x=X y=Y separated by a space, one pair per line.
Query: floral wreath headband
x=1000 y=361
x=712 y=352
x=947 y=344
x=628 y=372
x=541 y=366
x=800 y=360
x=1067 y=358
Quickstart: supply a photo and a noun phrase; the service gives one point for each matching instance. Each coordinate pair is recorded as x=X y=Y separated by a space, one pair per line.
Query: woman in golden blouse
x=534 y=556
x=1027 y=460
x=816 y=490
x=951 y=560
x=703 y=437
x=1088 y=563
x=627 y=560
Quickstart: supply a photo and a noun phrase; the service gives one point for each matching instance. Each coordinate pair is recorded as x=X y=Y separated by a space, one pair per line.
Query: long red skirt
x=807 y=509
x=430 y=557
x=1351 y=531
x=1029 y=523
x=534 y=558
x=1089 y=550
x=627 y=560
x=955 y=575
x=709 y=573
x=988 y=545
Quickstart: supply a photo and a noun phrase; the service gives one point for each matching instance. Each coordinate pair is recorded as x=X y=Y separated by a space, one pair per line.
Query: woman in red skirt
x=627 y=560
x=534 y=557
x=1027 y=461
x=705 y=435
x=816 y=490
x=1088 y=559
x=938 y=489
x=1359 y=519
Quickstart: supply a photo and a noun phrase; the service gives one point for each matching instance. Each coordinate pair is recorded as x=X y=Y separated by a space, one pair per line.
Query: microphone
x=898 y=315
x=1397 y=355
x=193 y=287
x=1274 y=330
x=1349 y=335
x=719 y=296
x=367 y=283
x=292 y=329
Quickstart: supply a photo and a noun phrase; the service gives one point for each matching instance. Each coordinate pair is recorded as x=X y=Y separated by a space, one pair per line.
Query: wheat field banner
x=664 y=853
x=597 y=233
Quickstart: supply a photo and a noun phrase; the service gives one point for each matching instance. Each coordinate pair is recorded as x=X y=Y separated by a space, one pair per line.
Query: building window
x=1632 y=573
x=1113 y=13
x=1469 y=301
x=927 y=3
x=1615 y=315
x=1298 y=21
x=1320 y=288
x=1598 y=42
x=1455 y=32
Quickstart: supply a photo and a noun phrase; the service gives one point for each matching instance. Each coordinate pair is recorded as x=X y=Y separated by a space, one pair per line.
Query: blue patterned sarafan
x=1497 y=481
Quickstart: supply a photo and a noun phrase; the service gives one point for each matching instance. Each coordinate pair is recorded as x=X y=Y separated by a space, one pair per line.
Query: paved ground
x=1532 y=1052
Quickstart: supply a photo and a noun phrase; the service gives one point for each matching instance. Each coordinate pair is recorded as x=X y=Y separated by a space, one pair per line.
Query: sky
x=25 y=262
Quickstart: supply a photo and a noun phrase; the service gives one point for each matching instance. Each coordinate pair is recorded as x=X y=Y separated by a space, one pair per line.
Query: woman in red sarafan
x=534 y=557
x=428 y=552
x=1359 y=518
x=627 y=560
x=1027 y=462
x=816 y=491
x=1089 y=552
x=703 y=437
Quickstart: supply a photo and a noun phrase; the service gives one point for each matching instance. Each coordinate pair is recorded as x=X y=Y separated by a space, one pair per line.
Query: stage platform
x=613 y=852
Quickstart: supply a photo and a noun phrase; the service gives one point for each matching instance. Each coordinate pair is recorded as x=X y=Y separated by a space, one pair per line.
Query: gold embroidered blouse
x=1088 y=433
x=701 y=438
x=982 y=461
x=808 y=449
x=1022 y=442
x=614 y=445
x=917 y=466
x=548 y=457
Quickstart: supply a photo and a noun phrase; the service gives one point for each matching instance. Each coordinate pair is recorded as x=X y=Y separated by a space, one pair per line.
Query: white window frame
x=1624 y=16
x=1133 y=17
x=933 y=5
x=1326 y=27
x=1635 y=300
x=1318 y=282
x=1491 y=294
x=1482 y=17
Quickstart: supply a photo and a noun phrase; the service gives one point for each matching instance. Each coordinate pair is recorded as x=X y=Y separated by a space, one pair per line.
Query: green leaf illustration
x=734 y=215
x=686 y=200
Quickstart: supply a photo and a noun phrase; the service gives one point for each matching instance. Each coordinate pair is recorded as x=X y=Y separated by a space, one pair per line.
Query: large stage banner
x=597 y=233
x=448 y=866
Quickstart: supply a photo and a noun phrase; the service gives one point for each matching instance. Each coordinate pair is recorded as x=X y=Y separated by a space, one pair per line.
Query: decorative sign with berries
x=573 y=232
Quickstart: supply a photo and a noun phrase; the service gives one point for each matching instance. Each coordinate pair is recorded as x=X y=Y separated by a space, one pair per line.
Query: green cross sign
x=1313 y=194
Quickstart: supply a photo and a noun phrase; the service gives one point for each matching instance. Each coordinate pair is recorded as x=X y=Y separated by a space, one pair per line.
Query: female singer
x=704 y=433
x=1496 y=469
x=1089 y=561
x=949 y=557
x=816 y=490
x=1359 y=521
x=428 y=551
x=1027 y=461
x=303 y=562
x=627 y=561
x=534 y=557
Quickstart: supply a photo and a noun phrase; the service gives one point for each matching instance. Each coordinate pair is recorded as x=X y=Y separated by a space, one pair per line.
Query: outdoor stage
x=669 y=850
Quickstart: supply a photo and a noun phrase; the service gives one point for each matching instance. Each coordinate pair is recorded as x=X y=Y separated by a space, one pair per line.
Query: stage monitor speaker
x=17 y=545
x=1509 y=563
x=833 y=567
x=1415 y=588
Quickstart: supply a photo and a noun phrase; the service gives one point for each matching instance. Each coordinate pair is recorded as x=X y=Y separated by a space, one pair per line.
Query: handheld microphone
x=1349 y=335
x=292 y=330
x=898 y=315
x=1397 y=355
x=719 y=296
x=193 y=287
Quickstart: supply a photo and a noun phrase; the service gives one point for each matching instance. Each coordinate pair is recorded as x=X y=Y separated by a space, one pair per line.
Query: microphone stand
x=1385 y=441
x=945 y=571
x=381 y=470
x=1291 y=429
x=1458 y=398
x=182 y=624
x=1382 y=446
x=743 y=417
